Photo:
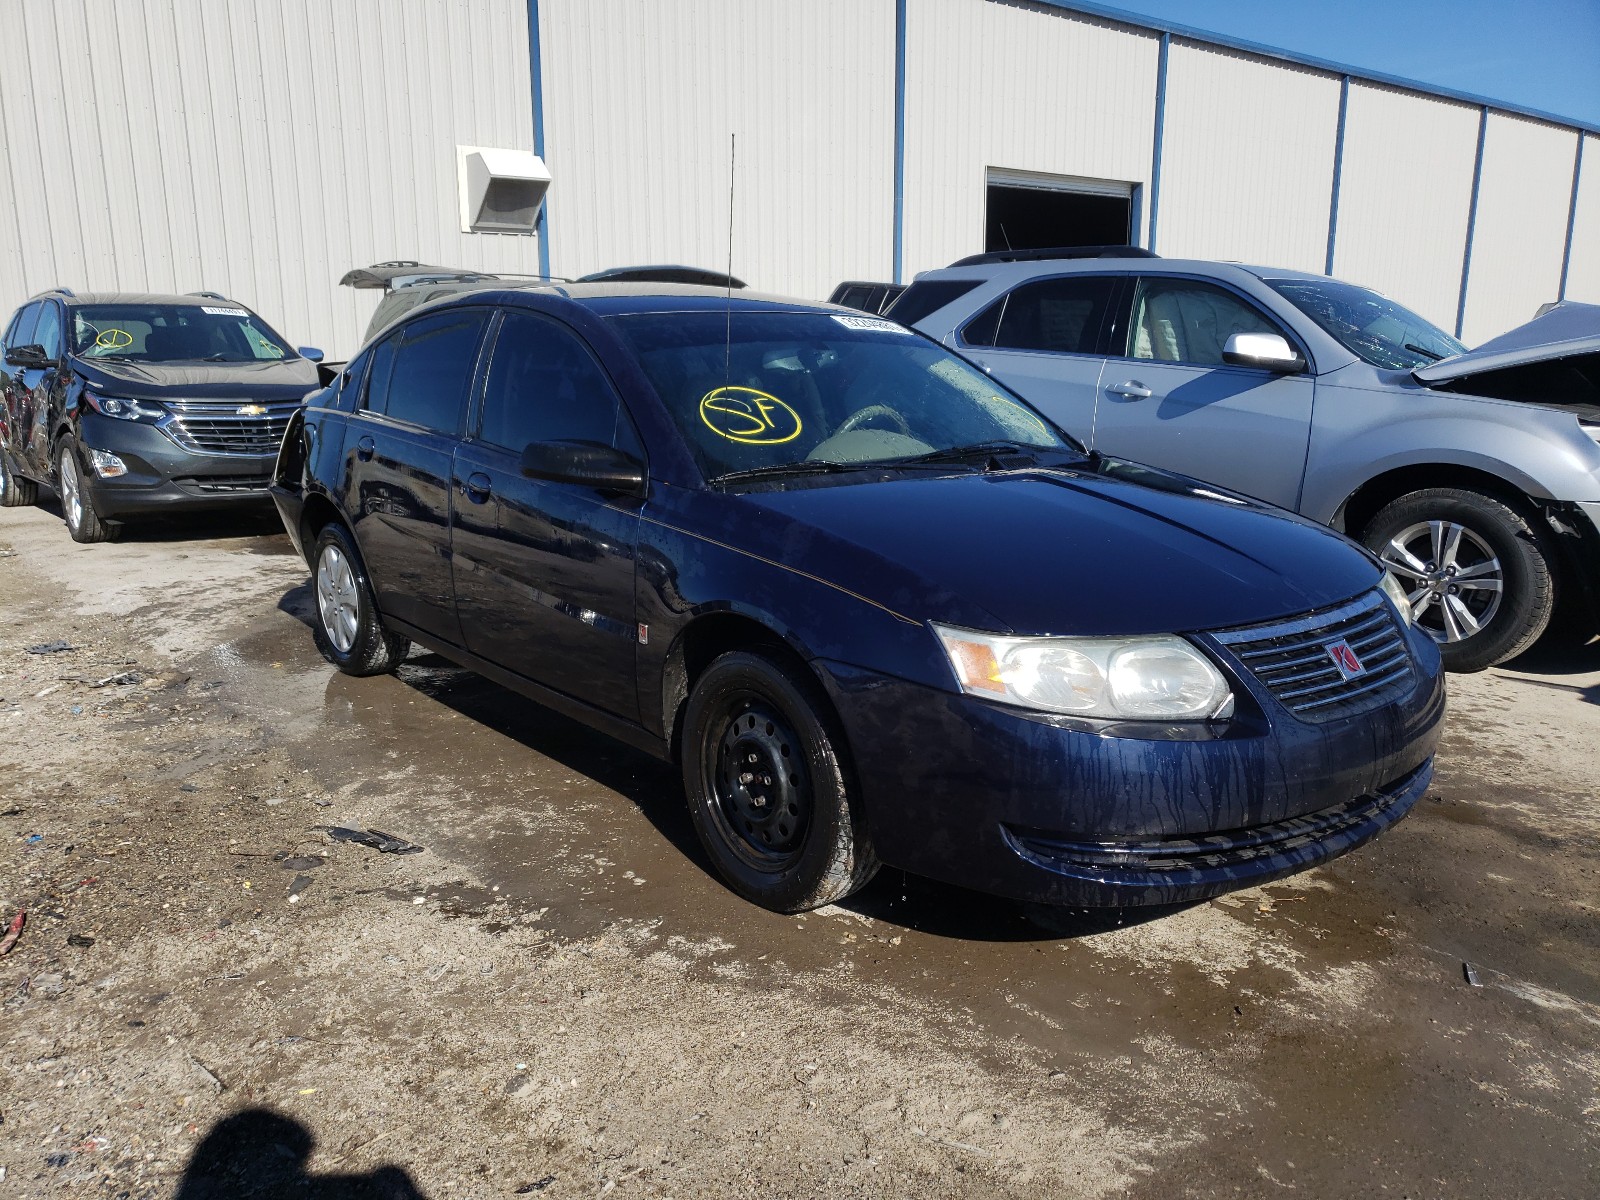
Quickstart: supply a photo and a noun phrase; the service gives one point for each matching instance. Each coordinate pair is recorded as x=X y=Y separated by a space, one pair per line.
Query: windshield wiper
x=1430 y=355
x=819 y=466
x=984 y=450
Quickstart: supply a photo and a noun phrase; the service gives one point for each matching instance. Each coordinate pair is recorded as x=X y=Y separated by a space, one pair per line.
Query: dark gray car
x=1475 y=476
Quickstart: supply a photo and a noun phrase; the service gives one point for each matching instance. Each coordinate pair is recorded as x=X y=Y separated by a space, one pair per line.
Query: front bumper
x=1046 y=809
x=162 y=476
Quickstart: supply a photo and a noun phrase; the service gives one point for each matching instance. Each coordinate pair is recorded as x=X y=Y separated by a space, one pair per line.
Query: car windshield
x=219 y=332
x=759 y=391
x=1377 y=330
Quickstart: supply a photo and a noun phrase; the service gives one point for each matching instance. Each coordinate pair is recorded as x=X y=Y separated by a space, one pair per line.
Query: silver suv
x=1474 y=475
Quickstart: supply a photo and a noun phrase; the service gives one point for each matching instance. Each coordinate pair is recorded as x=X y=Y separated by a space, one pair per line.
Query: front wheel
x=77 y=505
x=349 y=631
x=1479 y=575
x=767 y=790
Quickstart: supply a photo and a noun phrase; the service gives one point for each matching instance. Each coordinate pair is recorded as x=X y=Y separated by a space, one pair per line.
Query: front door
x=399 y=448
x=38 y=391
x=544 y=571
x=1171 y=401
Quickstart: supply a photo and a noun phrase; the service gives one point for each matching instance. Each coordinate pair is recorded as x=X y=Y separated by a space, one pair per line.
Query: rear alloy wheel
x=15 y=491
x=77 y=506
x=766 y=788
x=1479 y=577
x=348 y=628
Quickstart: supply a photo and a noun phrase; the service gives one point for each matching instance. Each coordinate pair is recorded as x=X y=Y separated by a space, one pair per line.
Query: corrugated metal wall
x=1583 y=273
x=1014 y=86
x=1247 y=162
x=258 y=148
x=1404 y=197
x=640 y=100
x=1521 y=230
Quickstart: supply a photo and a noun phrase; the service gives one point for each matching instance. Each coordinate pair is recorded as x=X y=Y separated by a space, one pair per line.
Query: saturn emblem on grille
x=1345 y=659
x=251 y=410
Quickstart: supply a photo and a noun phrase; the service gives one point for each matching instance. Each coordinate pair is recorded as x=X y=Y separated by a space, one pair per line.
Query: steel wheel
x=760 y=782
x=337 y=598
x=1453 y=578
x=71 y=489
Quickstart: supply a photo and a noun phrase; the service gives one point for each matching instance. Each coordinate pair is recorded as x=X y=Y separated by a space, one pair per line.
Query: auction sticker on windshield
x=746 y=415
x=872 y=325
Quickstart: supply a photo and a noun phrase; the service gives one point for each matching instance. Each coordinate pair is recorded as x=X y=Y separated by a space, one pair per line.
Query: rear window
x=433 y=368
x=1062 y=316
x=928 y=296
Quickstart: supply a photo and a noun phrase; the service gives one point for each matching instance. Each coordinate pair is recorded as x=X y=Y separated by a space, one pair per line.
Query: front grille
x=1292 y=658
x=223 y=484
x=219 y=427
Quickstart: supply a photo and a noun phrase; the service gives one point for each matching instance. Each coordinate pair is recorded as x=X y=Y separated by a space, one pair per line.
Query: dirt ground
x=213 y=997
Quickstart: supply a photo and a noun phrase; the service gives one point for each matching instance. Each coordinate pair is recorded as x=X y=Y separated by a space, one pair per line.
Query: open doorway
x=1033 y=212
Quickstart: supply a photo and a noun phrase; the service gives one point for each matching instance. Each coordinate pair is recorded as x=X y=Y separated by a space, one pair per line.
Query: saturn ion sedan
x=878 y=607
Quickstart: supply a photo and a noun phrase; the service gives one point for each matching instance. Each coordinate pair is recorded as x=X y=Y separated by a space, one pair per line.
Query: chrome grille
x=219 y=427
x=1292 y=658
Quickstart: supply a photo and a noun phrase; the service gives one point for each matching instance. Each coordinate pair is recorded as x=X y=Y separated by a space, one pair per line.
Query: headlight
x=1396 y=591
x=1158 y=678
x=125 y=410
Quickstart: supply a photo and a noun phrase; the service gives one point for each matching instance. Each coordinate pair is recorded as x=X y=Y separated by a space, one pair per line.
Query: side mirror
x=310 y=352
x=1268 y=351
x=32 y=355
x=590 y=464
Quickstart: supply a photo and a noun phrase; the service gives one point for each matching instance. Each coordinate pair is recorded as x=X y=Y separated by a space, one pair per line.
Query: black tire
x=1496 y=541
x=348 y=628
x=794 y=840
x=77 y=505
x=15 y=491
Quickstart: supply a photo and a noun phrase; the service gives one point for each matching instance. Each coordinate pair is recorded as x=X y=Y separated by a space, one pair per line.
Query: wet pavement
x=1321 y=1033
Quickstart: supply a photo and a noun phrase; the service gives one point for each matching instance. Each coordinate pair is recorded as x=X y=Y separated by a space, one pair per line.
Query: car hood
x=274 y=379
x=1559 y=331
x=1092 y=550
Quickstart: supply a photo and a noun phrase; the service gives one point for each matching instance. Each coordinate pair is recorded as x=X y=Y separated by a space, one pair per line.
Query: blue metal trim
x=899 y=138
x=536 y=81
x=1191 y=33
x=1155 y=151
x=1338 y=171
x=1572 y=219
x=1472 y=219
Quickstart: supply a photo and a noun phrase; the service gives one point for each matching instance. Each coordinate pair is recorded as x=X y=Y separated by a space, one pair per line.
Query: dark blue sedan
x=877 y=606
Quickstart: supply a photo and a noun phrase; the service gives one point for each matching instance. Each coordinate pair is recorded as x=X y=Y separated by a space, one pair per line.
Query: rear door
x=1046 y=339
x=1169 y=399
x=545 y=571
x=398 y=453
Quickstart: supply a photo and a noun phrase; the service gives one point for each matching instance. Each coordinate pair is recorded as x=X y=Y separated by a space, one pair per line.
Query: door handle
x=364 y=449
x=1131 y=388
x=475 y=487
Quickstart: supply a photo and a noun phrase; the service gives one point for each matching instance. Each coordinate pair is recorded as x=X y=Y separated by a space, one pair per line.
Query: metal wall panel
x=1247 y=159
x=1583 y=268
x=641 y=98
x=1018 y=87
x=1521 y=227
x=1404 y=197
x=258 y=148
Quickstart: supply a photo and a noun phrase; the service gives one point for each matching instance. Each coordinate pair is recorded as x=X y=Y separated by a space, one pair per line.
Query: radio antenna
x=727 y=358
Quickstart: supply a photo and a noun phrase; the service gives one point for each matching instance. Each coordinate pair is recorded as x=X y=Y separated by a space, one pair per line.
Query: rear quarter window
x=928 y=296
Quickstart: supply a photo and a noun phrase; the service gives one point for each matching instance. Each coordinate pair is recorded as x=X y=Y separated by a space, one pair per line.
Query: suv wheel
x=15 y=491
x=348 y=629
x=1480 y=577
x=77 y=506
x=766 y=788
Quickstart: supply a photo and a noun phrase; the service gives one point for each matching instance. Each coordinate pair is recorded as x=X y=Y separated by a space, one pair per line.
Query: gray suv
x=1474 y=475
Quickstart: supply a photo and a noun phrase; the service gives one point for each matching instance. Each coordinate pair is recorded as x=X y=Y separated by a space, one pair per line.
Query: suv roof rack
x=53 y=291
x=209 y=295
x=1005 y=256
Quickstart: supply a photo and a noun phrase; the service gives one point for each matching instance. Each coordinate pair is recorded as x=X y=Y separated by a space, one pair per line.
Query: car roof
x=1119 y=265
x=190 y=300
x=614 y=299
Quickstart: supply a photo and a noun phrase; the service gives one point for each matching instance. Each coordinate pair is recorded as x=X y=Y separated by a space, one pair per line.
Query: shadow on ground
x=260 y=1153
x=254 y=521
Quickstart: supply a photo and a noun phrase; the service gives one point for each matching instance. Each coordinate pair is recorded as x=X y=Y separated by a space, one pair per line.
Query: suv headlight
x=1155 y=678
x=125 y=410
x=1396 y=591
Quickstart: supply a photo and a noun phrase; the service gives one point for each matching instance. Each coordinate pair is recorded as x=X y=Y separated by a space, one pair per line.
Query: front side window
x=1061 y=316
x=218 y=332
x=1377 y=330
x=432 y=369
x=22 y=329
x=545 y=386
x=1189 y=321
x=47 y=332
x=773 y=389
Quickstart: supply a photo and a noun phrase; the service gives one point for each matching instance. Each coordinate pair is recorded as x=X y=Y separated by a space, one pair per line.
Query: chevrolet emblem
x=251 y=410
